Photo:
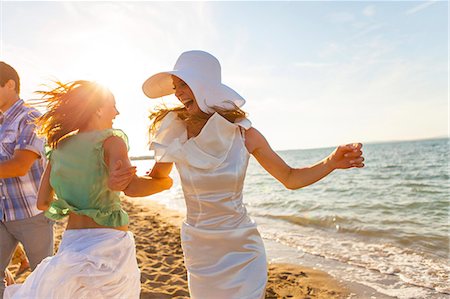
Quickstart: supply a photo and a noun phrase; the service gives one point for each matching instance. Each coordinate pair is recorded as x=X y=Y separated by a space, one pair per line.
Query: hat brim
x=161 y=84
x=228 y=98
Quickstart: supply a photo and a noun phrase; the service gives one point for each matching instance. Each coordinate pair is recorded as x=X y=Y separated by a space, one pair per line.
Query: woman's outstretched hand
x=120 y=177
x=346 y=156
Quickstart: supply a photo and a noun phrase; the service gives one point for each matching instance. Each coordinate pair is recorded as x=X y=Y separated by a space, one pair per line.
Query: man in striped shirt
x=22 y=162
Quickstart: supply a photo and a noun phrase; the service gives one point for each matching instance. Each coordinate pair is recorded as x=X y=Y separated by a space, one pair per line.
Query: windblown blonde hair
x=158 y=114
x=70 y=106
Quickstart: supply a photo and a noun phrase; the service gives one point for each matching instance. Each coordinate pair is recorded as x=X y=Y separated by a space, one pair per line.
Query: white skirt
x=224 y=264
x=90 y=263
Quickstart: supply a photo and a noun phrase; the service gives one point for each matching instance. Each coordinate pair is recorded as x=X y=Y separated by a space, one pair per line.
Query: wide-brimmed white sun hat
x=202 y=73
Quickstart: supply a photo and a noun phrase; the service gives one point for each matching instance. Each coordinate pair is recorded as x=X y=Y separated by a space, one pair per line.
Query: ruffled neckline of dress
x=207 y=150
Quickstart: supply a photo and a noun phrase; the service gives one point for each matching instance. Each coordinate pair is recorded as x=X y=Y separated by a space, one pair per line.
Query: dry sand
x=157 y=234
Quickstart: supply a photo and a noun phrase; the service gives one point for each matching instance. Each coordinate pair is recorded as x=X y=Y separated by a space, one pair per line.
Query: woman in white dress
x=210 y=141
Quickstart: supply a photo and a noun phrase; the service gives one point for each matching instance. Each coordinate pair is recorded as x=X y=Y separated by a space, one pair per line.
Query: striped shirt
x=18 y=195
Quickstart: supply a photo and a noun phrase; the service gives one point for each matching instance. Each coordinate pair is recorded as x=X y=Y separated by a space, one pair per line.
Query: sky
x=313 y=73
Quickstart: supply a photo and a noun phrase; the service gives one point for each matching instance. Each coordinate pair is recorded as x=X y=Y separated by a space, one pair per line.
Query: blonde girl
x=97 y=256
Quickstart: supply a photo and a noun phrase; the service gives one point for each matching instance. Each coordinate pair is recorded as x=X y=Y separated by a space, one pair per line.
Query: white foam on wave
x=401 y=292
x=396 y=272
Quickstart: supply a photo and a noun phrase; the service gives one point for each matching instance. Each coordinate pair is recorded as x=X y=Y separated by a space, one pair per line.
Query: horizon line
x=151 y=157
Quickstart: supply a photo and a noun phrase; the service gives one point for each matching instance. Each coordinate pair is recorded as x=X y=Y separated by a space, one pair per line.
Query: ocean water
x=385 y=226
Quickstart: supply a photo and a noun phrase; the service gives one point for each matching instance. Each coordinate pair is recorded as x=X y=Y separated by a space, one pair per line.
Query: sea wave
x=412 y=267
x=390 y=231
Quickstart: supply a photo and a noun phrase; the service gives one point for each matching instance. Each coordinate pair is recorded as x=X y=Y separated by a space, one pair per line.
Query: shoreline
x=281 y=257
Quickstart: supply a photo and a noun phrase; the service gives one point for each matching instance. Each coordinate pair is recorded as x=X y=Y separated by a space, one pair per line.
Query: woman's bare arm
x=345 y=156
x=45 y=192
x=122 y=174
x=161 y=170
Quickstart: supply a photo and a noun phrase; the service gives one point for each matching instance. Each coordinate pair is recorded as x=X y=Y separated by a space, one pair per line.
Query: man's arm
x=18 y=165
x=28 y=148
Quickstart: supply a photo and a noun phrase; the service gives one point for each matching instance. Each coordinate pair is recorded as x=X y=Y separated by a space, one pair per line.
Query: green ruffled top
x=79 y=177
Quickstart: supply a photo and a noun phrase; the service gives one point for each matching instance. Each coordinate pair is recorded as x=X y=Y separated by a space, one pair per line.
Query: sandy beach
x=156 y=231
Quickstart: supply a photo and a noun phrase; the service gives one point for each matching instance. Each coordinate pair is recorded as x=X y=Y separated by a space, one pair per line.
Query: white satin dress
x=90 y=263
x=223 y=250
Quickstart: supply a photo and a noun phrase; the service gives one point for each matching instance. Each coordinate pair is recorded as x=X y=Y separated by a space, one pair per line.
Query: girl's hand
x=346 y=156
x=120 y=177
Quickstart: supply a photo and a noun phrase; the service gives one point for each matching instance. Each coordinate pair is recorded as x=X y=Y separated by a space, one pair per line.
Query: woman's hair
x=158 y=114
x=70 y=106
